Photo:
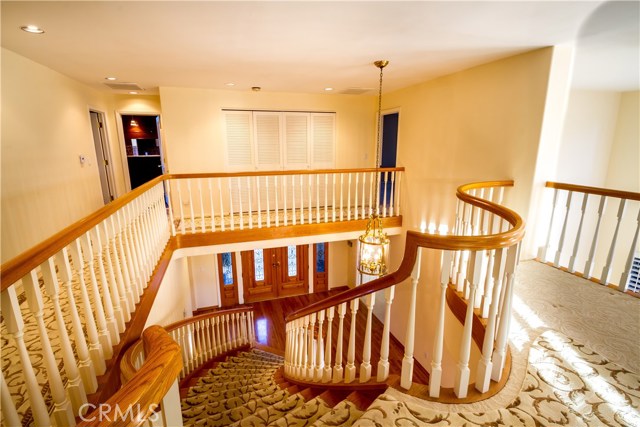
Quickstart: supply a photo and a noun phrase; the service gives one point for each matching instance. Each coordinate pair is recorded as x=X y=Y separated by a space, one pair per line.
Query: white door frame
x=123 y=151
x=105 y=148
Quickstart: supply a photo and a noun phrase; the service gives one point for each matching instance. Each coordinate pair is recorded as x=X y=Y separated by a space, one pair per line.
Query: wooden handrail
x=16 y=268
x=146 y=389
x=127 y=367
x=629 y=195
x=416 y=240
x=279 y=172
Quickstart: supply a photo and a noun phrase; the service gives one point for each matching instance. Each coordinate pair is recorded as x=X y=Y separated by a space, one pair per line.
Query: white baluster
x=240 y=208
x=326 y=191
x=435 y=377
x=364 y=200
x=126 y=265
x=133 y=253
x=227 y=323
x=310 y=198
x=181 y=207
x=109 y=286
x=356 y=208
x=231 y=212
x=576 y=243
x=500 y=352
x=326 y=375
x=485 y=365
x=104 y=333
x=333 y=198
x=461 y=382
x=96 y=352
x=349 y=198
x=371 y=181
x=221 y=344
x=62 y=411
x=384 y=197
x=301 y=200
x=202 y=220
x=365 y=366
x=167 y=189
x=341 y=192
x=115 y=272
x=285 y=214
x=9 y=413
x=112 y=324
x=398 y=196
x=606 y=271
x=338 y=370
x=211 y=208
x=15 y=327
x=317 y=199
x=407 y=362
x=488 y=285
x=624 y=278
x=556 y=261
x=266 y=180
x=87 y=371
x=222 y=224
x=392 y=194
x=277 y=211
x=311 y=358
x=293 y=199
x=350 y=369
x=320 y=349
x=75 y=387
x=304 y=352
x=383 y=363
x=542 y=252
x=192 y=216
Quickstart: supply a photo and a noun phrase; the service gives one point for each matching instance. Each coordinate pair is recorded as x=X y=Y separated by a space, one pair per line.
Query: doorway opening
x=143 y=147
x=102 y=155
x=390 y=122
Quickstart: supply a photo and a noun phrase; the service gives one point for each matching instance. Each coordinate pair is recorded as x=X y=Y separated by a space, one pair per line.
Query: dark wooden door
x=321 y=267
x=275 y=272
x=228 y=275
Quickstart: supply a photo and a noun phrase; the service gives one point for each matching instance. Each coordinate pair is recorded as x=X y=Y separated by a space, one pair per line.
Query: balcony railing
x=94 y=273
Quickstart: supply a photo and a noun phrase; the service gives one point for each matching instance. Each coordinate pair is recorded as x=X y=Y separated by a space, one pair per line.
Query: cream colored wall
x=204 y=281
x=45 y=128
x=479 y=124
x=339 y=265
x=623 y=171
x=173 y=300
x=194 y=126
x=589 y=128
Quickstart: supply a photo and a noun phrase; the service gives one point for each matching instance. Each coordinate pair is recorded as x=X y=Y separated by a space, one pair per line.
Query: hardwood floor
x=270 y=331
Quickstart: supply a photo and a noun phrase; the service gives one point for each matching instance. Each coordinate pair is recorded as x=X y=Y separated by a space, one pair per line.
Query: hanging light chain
x=380 y=64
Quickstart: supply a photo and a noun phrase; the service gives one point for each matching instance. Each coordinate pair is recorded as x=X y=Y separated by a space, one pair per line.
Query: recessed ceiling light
x=229 y=84
x=33 y=29
x=133 y=92
x=328 y=89
x=111 y=78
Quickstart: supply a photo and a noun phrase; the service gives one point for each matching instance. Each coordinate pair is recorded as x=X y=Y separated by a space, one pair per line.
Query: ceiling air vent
x=124 y=86
x=356 y=90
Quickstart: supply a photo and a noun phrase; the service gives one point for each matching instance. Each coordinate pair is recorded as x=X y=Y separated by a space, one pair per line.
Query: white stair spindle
x=310 y=198
x=556 y=261
x=212 y=213
x=317 y=199
x=104 y=335
x=576 y=243
x=500 y=351
x=319 y=349
x=293 y=199
x=112 y=324
x=485 y=365
x=181 y=205
x=167 y=189
x=126 y=265
x=406 y=377
x=87 y=371
x=15 y=326
x=62 y=411
x=75 y=387
x=326 y=195
x=383 y=363
x=384 y=194
x=304 y=352
x=96 y=352
x=192 y=217
x=606 y=271
x=333 y=197
x=349 y=198
x=133 y=253
x=232 y=221
x=240 y=207
x=363 y=205
x=435 y=377
x=116 y=270
x=9 y=413
x=326 y=375
x=227 y=322
x=542 y=252
x=220 y=338
x=222 y=224
x=488 y=285
x=338 y=370
x=301 y=200
x=365 y=366
x=266 y=180
x=355 y=204
x=461 y=382
x=398 y=195
x=277 y=210
x=392 y=194
x=202 y=220
x=624 y=278
x=350 y=368
x=285 y=213
x=372 y=177
x=311 y=354
x=341 y=193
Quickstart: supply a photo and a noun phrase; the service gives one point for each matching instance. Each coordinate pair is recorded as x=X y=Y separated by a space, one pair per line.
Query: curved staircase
x=249 y=389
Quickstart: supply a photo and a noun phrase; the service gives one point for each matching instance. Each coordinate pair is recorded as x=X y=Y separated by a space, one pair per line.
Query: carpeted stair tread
x=272 y=413
x=344 y=413
x=241 y=369
x=217 y=419
x=227 y=391
x=223 y=385
x=305 y=415
x=210 y=400
x=254 y=360
x=259 y=354
x=250 y=378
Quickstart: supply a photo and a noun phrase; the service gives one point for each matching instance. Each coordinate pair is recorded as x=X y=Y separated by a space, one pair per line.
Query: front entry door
x=275 y=272
x=228 y=279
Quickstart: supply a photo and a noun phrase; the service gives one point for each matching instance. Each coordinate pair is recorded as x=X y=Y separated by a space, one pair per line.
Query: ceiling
x=301 y=46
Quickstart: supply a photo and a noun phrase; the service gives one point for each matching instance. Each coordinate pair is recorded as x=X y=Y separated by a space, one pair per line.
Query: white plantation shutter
x=239 y=141
x=268 y=140
x=323 y=140
x=296 y=140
